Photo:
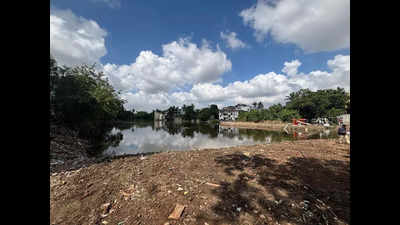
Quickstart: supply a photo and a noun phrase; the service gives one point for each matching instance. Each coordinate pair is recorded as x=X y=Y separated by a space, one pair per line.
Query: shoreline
x=273 y=125
x=208 y=182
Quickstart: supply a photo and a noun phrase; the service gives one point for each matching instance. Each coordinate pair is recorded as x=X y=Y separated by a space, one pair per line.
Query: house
x=243 y=107
x=232 y=112
x=228 y=113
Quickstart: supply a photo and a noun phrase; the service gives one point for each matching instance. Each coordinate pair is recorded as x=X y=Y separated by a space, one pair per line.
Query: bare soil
x=300 y=182
x=273 y=125
x=267 y=125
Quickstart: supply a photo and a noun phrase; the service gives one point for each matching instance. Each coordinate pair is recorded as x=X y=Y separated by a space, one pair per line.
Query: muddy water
x=149 y=137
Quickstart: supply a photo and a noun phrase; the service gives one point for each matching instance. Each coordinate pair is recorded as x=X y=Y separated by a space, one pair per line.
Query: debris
x=185 y=193
x=176 y=214
x=104 y=222
x=246 y=154
x=211 y=184
x=238 y=209
x=180 y=189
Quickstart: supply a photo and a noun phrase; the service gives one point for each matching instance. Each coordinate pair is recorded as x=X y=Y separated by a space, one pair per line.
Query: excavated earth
x=299 y=182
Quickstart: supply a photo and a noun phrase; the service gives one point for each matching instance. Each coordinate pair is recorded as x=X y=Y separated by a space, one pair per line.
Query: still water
x=149 y=137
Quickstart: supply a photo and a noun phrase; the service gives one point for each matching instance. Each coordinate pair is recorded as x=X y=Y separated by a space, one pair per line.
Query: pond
x=150 y=137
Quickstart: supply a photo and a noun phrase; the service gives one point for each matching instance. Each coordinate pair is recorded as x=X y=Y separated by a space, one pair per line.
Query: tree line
x=189 y=113
x=306 y=104
x=83 y=99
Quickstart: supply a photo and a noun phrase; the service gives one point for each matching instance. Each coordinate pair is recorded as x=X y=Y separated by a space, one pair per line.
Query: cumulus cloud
x=75 y=40
x=313 y=25
x=291 y=67
x=182 y=63
x=232 y=41
x=269 y=88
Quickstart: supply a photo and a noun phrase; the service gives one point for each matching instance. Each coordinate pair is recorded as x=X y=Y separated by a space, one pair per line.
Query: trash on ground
x=211 y=184
x=176 y=214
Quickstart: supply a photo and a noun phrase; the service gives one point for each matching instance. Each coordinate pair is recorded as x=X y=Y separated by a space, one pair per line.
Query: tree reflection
x=104 y=137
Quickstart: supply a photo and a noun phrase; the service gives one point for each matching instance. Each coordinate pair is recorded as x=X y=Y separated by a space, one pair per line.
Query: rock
x=176 y=214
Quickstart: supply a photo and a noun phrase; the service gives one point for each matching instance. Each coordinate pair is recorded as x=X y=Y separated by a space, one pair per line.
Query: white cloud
x=75 y=40
x=291 y=67
x=182 y=63
x=232 y=41
x=269 y=88
x=157 y=81
x=111 y=3
x=313 y=25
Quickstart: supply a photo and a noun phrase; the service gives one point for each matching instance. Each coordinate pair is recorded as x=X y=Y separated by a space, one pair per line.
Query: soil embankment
x=300 y=182
x=275 y=125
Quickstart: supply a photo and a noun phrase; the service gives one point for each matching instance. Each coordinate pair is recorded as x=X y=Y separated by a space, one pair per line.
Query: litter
x=176 y=214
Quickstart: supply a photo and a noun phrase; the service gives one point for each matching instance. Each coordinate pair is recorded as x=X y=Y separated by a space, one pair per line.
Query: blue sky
x=312 y=33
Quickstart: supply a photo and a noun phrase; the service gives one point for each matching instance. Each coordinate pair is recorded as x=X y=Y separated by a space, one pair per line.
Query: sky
x=225 y=52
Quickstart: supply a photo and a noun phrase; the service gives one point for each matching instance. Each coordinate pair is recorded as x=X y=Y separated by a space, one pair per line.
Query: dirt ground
x=300 y=182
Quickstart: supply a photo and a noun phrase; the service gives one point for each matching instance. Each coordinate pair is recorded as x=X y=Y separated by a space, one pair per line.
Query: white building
x=243 y=107
x=232 y=112
x=228 y=113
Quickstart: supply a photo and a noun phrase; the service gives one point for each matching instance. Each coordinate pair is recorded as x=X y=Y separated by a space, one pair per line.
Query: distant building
x=232 y=112
x=159 y=116
x=228 y=113
x=243 y=107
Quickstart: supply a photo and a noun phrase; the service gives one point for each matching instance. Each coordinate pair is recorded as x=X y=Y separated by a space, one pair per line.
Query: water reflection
x=145 y=137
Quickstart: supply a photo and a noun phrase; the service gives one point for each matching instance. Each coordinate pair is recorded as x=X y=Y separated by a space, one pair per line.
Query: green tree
x=287 y=115
x=214 y=111
x=317 y=104
x=82 y=99
x=188 y=112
